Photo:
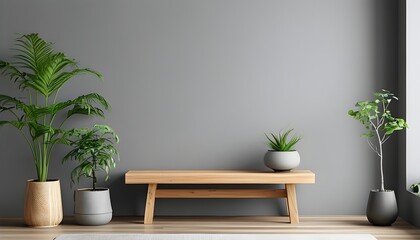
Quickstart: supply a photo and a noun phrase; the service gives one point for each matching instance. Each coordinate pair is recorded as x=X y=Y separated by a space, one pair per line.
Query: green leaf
x=369 y=135
x=87 y=105
x=38 y=130
x=280 y=142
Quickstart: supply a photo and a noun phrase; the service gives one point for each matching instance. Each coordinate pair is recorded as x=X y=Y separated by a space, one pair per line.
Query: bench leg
x=150 y=204
x=292 y=203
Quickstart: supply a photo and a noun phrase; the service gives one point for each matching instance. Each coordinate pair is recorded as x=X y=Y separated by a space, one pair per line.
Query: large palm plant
x=40 y=73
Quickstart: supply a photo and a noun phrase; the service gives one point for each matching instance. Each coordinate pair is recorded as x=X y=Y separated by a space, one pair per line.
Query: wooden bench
x=155 y=177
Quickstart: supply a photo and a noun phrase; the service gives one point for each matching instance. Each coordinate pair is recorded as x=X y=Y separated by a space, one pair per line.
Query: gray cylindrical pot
x=282 y=161
x=92 y=207
x=382 y=208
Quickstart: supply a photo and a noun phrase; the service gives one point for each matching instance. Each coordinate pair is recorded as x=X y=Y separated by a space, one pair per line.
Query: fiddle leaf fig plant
x=379 y=123
x=40 y=72
x=93 y=149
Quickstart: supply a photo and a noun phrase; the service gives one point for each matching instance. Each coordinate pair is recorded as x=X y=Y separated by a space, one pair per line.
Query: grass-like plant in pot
x=93 y=149
x=379 y=123
x=40 y=73
x=282 y=156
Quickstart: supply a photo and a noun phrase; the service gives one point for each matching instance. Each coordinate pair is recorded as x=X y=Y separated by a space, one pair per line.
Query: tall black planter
x=382 y=208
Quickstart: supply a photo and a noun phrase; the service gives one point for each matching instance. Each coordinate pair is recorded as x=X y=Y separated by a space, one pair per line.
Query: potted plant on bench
x=40 y=73
x=282 y=156
x=94 y=150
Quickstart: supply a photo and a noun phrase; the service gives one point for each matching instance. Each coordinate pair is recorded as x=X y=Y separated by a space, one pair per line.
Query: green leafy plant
x=94 y=150
x=280 y=142
x=415 y=187
x=379 y=123
x=40 y=73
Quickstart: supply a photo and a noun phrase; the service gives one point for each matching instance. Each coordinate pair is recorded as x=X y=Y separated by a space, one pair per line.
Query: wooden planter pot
x=43 y=206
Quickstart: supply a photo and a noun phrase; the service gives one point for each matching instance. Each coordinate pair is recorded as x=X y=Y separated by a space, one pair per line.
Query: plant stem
x=93 y=173
x=381 y=158
x=39 y=159
x=378 y=136
x=44 y=163
x=55 y=96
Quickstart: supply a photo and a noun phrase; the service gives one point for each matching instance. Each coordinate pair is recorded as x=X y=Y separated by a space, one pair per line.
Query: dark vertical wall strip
x=408 y=203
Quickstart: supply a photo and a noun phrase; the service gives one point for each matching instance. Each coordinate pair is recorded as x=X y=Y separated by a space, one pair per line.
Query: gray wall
x=195 y=84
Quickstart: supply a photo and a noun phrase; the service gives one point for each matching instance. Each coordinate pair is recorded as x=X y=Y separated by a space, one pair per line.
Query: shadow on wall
x=127 y=200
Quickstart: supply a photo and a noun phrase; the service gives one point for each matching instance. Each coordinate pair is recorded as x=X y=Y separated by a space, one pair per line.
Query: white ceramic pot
x=282 y=161
x=92 y=207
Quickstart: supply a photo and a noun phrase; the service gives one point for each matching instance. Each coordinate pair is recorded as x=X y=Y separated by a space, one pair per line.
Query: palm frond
x=44 y=67
x=35 y=52
x=85 y=105
x=37 y=130
x=16 y=124
x=14 y=74
x=59 y=80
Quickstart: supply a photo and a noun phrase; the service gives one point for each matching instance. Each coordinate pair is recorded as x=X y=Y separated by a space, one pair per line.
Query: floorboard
x=14 y=228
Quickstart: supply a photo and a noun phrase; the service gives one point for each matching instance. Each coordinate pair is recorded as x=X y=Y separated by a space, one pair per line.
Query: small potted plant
x=416 y=188
x=94 y=151
x=282 y=156
x=376 y=117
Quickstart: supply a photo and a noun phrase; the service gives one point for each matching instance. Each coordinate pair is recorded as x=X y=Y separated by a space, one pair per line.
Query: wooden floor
x=15 y=229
